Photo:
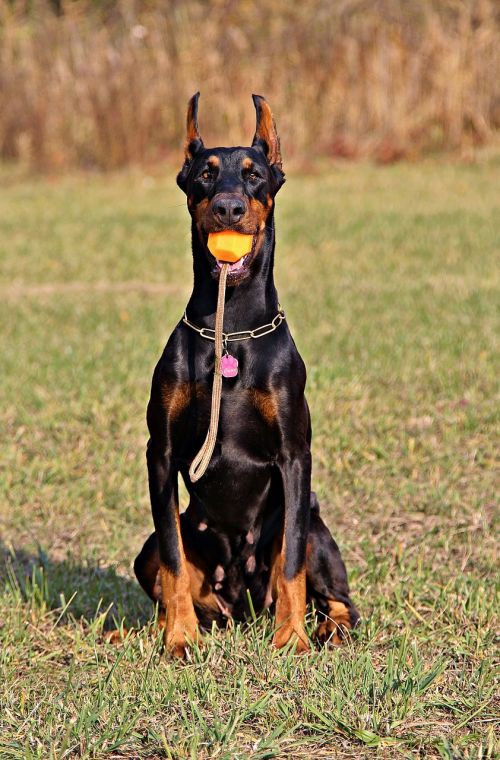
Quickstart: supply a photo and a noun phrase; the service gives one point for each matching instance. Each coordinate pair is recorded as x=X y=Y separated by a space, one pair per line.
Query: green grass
x=390 y=283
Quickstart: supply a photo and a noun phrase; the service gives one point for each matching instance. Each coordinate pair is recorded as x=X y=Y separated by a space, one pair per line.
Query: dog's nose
x=229 y=208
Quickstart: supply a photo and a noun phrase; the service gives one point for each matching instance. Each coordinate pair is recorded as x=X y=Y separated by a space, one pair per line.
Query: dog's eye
x=252 y=176
x=206 y=175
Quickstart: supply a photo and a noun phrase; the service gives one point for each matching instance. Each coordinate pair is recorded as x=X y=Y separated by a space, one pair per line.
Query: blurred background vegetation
x=102 y=83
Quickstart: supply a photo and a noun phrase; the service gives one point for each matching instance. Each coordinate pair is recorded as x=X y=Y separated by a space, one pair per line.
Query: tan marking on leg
x=331 y=628
x=271 y=586
x=179 y=619
x=201 y=591
x=291 y=605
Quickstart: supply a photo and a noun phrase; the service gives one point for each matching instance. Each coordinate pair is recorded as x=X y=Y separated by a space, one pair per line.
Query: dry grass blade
x=388 y=78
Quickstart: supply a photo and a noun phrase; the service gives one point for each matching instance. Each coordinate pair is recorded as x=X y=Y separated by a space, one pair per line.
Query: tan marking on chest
x=176 y=397
x=266 y=404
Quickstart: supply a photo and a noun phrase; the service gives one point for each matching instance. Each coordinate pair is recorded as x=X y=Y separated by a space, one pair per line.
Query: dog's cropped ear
x=193 y=143
x=266 y=137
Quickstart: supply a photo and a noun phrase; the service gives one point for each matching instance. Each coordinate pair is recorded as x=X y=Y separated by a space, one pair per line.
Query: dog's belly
x=236 y=575
x=231 y=524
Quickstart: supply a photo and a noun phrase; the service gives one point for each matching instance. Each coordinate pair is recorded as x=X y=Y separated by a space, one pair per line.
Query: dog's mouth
x=237 y=270
x=235 y=266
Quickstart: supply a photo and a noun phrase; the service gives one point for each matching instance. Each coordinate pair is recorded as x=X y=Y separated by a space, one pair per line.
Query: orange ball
x=229 y=246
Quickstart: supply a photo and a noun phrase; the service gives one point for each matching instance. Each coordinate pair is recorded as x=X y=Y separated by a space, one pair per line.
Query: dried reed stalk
x=106 y=86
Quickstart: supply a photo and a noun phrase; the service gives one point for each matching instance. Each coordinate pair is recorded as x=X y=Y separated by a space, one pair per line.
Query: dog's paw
x=329 y=633
x=117 y=636
x=177 y=649
x=294 y=635
x=178 y=640
x=334 y=628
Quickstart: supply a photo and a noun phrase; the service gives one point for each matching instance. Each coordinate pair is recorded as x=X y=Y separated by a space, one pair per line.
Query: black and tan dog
x=252 y=526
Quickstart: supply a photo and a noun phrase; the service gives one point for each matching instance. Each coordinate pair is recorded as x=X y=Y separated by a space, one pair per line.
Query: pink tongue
x=237 y=264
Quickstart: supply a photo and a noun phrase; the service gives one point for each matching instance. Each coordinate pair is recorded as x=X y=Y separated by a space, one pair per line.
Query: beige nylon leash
x=203 y=457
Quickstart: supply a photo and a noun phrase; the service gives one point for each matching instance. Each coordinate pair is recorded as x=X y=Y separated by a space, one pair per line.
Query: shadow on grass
x=82 y=590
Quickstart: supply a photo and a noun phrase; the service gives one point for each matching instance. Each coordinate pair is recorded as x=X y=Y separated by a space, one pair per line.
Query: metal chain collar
x=258 y=332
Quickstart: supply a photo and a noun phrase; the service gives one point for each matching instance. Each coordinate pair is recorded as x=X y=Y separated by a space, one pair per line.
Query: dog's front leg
x=289 y=569
x=177 y=616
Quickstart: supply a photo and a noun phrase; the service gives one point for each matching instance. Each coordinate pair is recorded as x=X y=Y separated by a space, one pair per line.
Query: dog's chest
x=247 y=409
x=248 y=422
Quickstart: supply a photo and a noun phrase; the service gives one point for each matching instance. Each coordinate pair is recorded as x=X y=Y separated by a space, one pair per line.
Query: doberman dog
x=252 y=527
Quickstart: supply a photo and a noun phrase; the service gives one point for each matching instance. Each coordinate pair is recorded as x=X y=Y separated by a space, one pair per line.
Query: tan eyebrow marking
x=247 y=163
x=213 y=161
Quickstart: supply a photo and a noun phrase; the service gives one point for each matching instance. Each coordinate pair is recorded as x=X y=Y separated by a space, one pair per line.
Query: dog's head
x=232 y=188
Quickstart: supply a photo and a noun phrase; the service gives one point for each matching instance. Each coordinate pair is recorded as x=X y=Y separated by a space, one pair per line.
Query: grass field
x=389 y=281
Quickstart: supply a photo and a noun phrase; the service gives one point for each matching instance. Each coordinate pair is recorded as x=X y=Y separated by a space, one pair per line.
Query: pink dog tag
x=228 y=366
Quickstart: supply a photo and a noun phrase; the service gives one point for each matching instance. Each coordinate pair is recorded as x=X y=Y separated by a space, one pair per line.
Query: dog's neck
x=248 y=305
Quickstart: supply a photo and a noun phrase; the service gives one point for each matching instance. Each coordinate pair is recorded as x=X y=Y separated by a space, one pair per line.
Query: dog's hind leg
x=147 y=571
x=147 y=568
x=327 y=582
